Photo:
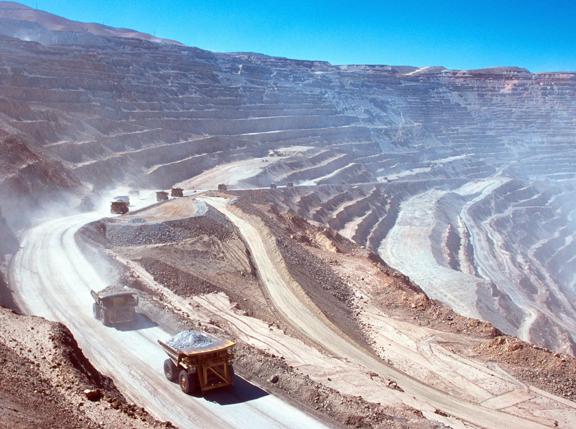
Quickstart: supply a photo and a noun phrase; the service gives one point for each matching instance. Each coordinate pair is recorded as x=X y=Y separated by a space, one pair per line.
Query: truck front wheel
x=231 y=372
x=170 y=370
x=188 y=382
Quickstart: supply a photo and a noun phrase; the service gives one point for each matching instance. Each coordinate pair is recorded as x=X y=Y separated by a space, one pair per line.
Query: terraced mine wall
x=31 y=182
x=487 y=155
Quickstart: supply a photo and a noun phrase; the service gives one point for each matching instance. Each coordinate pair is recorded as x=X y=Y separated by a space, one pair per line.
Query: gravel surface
x=553 y=372
x=193 y=341
x=136 y=231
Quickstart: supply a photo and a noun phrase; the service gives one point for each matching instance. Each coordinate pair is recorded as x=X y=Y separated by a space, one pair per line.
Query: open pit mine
x=386 y=246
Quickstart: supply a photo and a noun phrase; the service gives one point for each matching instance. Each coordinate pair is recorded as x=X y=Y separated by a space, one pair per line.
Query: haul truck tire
x=170 y=370
x=231 y=372
x=96 y=312
x=188 y=382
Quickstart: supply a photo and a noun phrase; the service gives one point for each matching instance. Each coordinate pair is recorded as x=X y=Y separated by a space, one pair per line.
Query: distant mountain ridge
x=12 y=11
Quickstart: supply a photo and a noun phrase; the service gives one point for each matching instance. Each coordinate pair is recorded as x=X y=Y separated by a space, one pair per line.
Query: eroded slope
x=44 y=376
x=381 y=310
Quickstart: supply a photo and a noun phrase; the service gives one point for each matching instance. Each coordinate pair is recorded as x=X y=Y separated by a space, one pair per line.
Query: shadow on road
x=241 y=391
x=139 y=323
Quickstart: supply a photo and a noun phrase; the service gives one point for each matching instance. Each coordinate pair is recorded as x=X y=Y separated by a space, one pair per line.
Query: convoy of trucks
x=198 y=361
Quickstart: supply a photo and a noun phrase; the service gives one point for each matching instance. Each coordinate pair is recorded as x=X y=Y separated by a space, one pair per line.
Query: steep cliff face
x=31 y=181
x=8 y=242
x=8 y=246
x=475 y=168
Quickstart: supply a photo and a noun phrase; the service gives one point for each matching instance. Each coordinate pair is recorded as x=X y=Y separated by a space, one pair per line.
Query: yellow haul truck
x=115 y=305
x=198 y=361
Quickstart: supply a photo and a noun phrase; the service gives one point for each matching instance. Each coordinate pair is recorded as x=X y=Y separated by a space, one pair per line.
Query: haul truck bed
x=198 y=361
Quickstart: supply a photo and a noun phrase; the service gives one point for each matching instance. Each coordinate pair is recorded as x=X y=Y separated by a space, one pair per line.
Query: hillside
x=331 y=320
x=473 y=168
x=48 y=382
x=395 y=249
x=31 y=24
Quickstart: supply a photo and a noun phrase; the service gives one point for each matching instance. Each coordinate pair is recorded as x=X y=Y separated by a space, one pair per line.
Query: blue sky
x=538 y=35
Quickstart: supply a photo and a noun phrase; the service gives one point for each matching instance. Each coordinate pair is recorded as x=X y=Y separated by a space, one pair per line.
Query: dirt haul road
x=52 y=278
x=294 y=306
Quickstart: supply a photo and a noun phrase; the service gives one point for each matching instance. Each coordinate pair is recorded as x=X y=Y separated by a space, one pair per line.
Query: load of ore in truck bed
x=194 y=341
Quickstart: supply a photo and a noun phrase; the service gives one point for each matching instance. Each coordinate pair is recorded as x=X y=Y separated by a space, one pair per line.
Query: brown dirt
x=342 y=410
x=208 y=257
x=331 y=267
x=260 y=367
x=26 y=400
x=336 y=270
x=44 y=375
x=553 y=372
x=397 y=296
x=296 y=240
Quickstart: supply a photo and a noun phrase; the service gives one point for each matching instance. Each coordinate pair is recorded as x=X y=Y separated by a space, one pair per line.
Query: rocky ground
x=215 y=278
x=296 y=240
x=535 y=365
x=200 y=266
x=47 y=382
x=188 y=255
x=341 y=267
x=321 y=261
x=345 y=410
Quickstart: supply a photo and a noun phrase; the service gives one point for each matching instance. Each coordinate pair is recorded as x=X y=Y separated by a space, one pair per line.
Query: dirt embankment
x=349 y=411
x=553 y=372
x=189 y=256
x=321 y=261
x=353 y=269
x=296 y=240
x=199 y=266
x=276 y=376
x=343 y=268
x=48 y=382
x=342 y=279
